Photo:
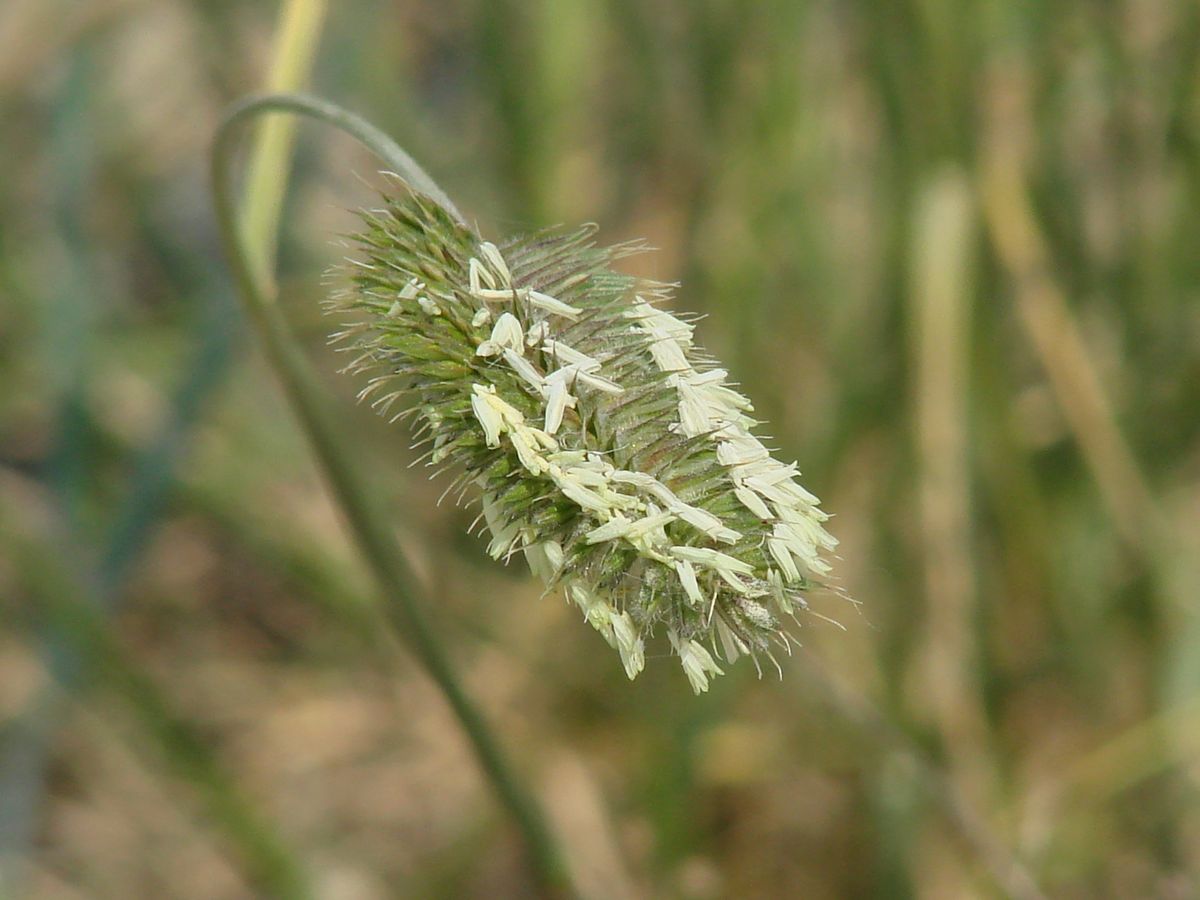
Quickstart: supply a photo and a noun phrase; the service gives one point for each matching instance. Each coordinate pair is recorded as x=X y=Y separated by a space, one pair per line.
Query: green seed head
x=604 y=444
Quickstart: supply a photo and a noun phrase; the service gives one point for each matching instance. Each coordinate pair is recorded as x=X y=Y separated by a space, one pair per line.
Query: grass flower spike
x=604 y=444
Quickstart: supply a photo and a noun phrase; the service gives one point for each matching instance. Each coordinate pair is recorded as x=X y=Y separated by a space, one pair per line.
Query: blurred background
x=950 y=249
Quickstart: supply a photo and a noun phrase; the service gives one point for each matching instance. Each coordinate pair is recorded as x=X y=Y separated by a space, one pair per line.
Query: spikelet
x=602 y=441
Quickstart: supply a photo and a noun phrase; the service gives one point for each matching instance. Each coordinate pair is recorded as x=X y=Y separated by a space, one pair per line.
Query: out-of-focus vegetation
x=951 y=251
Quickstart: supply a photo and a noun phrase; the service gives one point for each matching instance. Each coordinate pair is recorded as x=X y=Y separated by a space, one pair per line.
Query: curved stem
x=367 y=519
x=323 y=111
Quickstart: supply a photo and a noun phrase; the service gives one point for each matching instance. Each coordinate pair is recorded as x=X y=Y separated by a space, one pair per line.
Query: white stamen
x=776 y=493
x=552 y=304
x=617 y=526
x=714 y=559
x=507 y=332
x=492 y=255
x=544 y=558
x=599 y=615
x=411 y=289
x=687 y=577
x=641 y=479
x=598 y=382
x=646 y=525
x=527 y=450
x=808 y=521
x=782 y=553
x=651 y=317
x=588 y=477
x=573 y=490
x=511 y=415
x=753 y=502
x=731 y=644
x=542 y=438
x=478 y=276
x=489 y=417
x=693 y=411
x=582 y=597
x=712 y=376
x=570 y=356
x=629 y=644
x=705 y=521
x=506 y=293
x=503 y=534
x=782 y=601
x=536 y=333
x=778 y=472
x=726 y=400
x=557 y=401
x=667 y=353
x=697 y=662
x=739 y=449
x=523 y=368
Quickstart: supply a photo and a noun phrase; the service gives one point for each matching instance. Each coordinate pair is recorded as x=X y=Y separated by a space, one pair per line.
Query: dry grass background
x=948 y=248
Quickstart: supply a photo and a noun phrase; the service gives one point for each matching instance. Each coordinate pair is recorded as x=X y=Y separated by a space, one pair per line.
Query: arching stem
x=369 y=525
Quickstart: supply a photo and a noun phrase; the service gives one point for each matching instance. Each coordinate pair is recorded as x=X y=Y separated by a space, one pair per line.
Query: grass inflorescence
x=602 y=441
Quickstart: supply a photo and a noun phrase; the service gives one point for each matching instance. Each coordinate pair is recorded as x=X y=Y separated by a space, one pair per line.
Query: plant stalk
x=367 y=520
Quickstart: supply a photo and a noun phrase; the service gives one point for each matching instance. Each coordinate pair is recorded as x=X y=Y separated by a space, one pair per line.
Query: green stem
x=367 y=519
x=323 y=111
